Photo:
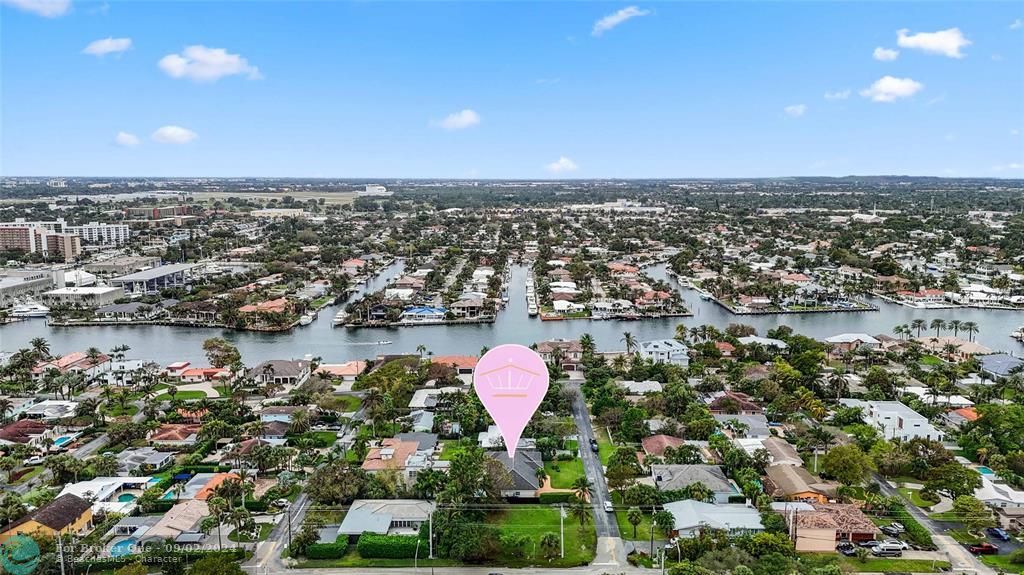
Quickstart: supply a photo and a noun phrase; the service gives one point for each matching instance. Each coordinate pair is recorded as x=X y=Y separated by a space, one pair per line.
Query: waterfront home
x=794 y=483
x=999 y=366
x=135 y=311
x=279 y=305
x=423 y=314
x=744 y=425
x=65 y=515
x=385 y=517
x=765 y=342
x=816 y=527
x=692 y=517
x=922 y=296
x=964 y=349
x=29 y=432
x=198 y=312
x=850 y=342
x=353 y=266
x=281 y=372
x=570 y=353
x=679 y=476
x=142 y=460
x=342 y=374
x=468 y=308
x=522 y=472
x=895 y=420
x=109 y=494
x=175 y=434
x=181 y=524
x=462 y=364
x=665 y=351
x=75 y=362
x=731 y=402
x=124 y=372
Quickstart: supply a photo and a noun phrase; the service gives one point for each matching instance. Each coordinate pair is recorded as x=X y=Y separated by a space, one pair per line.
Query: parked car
x=593 y=446
x=34 y=460
x=898 y=526
x=886 y=551
x=870 y=543
x=983 y=549
x=998 y=533
x=890 y=530
x=283 y=503
x=608 y=507
x=847 y=548
x=903 y=545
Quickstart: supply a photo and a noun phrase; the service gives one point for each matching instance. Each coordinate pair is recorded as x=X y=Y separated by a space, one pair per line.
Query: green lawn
x=964 y=536
x=114 y=410
x=1002 y=562
x=948 y=516
x=32 y=473
x=326 y=516
x=931 y=360
x=566 y=473
x=354 y=560
x=187 y=395
x=265 y=529
x=604 y=445
x=534 y=522
x=643 y=530
x=914 y=497
x=887 y=565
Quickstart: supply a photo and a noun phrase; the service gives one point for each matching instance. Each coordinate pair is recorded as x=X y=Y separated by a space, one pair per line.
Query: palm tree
x=918 y=324
x=971 y=328
x=630 y=342
x=421 y=349
x=94 y=354
x=581 y=511
x=542 y=475
x=40 y=348
x=581 y=487
x=955 y=325
x=371 y=402
x=938 y=325
x=6 y=406
x=635 y=517
x=681 y=332
x=240 y=517
x=587 y=343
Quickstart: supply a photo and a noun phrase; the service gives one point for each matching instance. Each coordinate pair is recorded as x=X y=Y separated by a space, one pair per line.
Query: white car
x=897 y=543
x=34 y=460
x=608 y=507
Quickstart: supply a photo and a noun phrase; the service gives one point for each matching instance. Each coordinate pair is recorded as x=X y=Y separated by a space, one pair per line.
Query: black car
x=593 y=446
x=847 y=548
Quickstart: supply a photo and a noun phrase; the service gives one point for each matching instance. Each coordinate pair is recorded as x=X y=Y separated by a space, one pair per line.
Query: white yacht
x=1019 y=334
x=30 y=309
x=306 y=319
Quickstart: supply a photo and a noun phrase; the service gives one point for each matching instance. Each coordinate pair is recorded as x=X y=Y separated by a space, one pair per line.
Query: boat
x=306 y=319
x=705 y=296
x=1019 y=334
x=30 y=309
x=532 y=309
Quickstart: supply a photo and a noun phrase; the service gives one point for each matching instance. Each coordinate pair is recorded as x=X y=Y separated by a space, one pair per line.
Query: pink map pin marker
x=511 y=381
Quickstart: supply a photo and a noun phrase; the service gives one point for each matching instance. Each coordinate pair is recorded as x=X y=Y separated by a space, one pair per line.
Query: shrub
x=557 y=497
x=374 y=546
x=1017 y=557
x=327 y=550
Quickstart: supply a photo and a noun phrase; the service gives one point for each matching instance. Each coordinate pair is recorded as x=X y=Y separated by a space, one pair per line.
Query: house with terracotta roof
x=793 y=483
x=392 y=454
x=656 y=445
x=731 y=402
x=211 y=486
x=960 y=417
x=176 y=434
x=818 y=526
x=462 y=364
x=346 y=372
x=75 y=362
x=353 y=266
x=204 y=374
x=30 y=432
x=725 y=348
x=279 y=305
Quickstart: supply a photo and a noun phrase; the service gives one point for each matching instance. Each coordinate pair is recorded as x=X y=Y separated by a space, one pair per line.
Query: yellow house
x=65 y=515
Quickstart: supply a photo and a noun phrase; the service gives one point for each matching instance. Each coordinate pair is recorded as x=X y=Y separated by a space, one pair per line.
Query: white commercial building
x=103 y=234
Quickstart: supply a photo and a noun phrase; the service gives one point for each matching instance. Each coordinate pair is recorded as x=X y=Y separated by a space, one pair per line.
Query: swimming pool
x=60 y=441
x=126 y=497
x=122 y=548
x=984 y=470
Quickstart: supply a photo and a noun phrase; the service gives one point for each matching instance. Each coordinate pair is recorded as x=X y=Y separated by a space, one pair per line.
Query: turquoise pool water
x=126 y=497
x=62 y=440
x=122 y=548
x=985 y=470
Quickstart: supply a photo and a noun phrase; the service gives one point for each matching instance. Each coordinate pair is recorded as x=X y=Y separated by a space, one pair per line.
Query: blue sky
x=511 y=90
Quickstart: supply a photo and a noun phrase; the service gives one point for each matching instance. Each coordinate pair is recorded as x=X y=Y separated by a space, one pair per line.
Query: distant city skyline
x=532 y=91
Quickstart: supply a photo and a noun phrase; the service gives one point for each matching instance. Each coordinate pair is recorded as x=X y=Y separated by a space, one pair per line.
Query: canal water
x=167 y=344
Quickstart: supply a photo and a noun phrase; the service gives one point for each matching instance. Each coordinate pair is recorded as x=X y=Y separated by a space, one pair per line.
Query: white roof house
x=665 y=351
x=952 y=400
x=640 y=387
x=105 y=492
x=895 y=420
x=690 y=516
x=764 y=342
x=384 y=516
x=999 y=495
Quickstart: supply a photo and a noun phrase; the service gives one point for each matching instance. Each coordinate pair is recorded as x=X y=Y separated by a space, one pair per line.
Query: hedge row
x=915 y=531
x=327 y=550
x=374 y=546
x=556 y=497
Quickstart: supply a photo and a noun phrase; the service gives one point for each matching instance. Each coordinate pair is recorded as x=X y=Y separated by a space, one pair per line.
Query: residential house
x=676 y=477
x=282 y=372
x=1005 y=500
x=493 y=439
x=175 y=434
x=468 y=308
x=999 y=366
x=385 y=517
x=744 y=425
x=732 y=403
x=109 y=494
x=895 y=420
x=75 y=362
x=816 y=527
x=693 y=516
x=765 y=342
x=640 y=387
x=665 y=351
x=793 y=483
x=522 y=472
x=850 y=342
x=142 y=460
x=281 y=413
x=392 y=455
x=570 y=353
x=423 y=314
x=960 y=417
x=29 y=432
x=65 y=515
x=181 y=524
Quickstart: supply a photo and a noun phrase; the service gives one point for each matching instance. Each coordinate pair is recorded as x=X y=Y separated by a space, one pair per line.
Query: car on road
x=593 y=446
x=283 y=503
x=608 y=507
x=847 y=548
x=998 y=533
x=983 y=549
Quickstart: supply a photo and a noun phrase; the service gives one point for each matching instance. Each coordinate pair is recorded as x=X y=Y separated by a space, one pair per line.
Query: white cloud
x=945 y=42
x=885 y=54
x=1010 y=166
x=890 y=89
x=796 y=110
x=561 y=166
x=460 y=120
x=202 y=64
x=838 y=95
x=612 y=20
x=45 y=8
x=174 y=135
x=106 y=46
x=126 y=140
x=1017 y=24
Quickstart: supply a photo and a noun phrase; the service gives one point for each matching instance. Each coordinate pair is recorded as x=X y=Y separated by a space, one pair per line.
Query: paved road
x=267 y=558
x=604 y=522
x=959 y=557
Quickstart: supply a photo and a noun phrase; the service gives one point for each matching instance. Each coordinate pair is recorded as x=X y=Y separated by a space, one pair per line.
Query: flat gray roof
x=154 y=273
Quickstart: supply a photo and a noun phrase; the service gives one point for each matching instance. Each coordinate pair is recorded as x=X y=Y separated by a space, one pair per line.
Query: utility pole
x=561 y=527
x=430 y=519
x=653 y=525
x=60 y=552
x=289 y=520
